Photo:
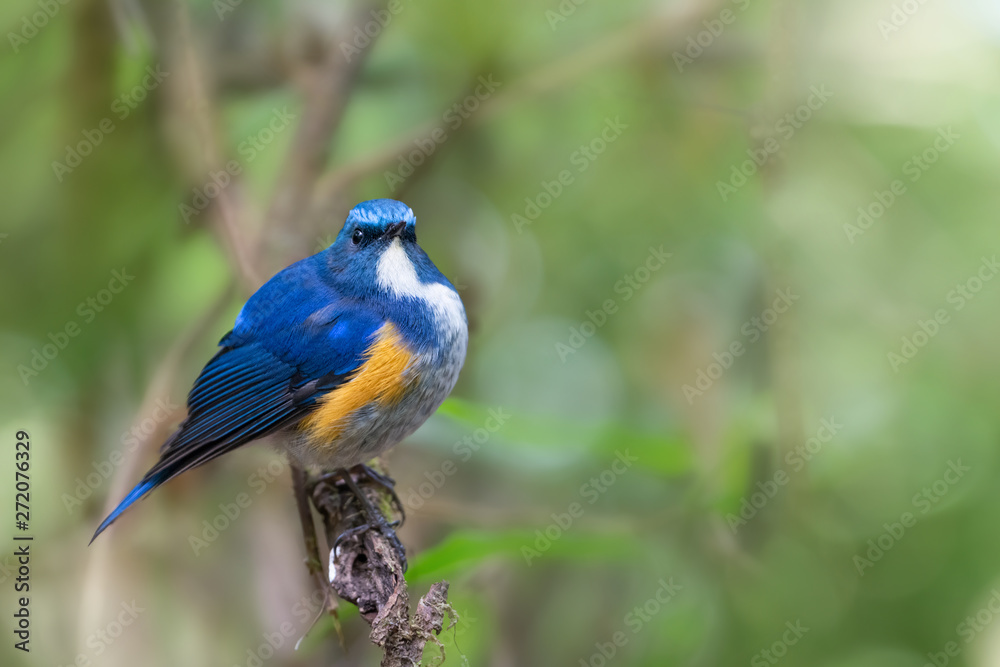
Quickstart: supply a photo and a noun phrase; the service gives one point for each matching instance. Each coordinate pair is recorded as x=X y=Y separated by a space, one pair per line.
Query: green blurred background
x=773 y=446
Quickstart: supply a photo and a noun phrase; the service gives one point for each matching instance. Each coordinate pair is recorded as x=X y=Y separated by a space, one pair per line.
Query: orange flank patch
x=379 y=378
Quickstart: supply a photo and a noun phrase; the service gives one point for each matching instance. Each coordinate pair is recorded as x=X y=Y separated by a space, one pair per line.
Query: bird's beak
x=394 y=230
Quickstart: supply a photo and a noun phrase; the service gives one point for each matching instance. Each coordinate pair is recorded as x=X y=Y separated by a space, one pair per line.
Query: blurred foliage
x=735 y=494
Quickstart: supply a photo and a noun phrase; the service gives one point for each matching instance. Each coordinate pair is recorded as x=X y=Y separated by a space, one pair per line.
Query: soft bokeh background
x=810 y=481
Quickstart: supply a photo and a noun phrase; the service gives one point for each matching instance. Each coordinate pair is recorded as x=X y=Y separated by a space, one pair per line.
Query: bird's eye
x=358 y=236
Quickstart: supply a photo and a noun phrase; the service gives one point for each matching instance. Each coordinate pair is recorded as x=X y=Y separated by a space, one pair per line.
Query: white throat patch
x=396 y=274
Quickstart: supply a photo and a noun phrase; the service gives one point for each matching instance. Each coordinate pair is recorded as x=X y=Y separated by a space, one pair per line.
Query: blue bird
x=347 y=352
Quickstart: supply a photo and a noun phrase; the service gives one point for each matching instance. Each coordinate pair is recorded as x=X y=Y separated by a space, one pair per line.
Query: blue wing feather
x=139 y=491
x=294 y=340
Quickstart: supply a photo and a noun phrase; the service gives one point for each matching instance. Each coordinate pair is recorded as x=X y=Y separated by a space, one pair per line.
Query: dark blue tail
x=140 y=490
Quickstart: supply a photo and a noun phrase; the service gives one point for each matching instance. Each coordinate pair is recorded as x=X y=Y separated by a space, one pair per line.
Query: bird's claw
x=389 y=484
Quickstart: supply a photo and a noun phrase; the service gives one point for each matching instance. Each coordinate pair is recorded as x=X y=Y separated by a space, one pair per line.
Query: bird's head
x=378 y=248
x=372 y=225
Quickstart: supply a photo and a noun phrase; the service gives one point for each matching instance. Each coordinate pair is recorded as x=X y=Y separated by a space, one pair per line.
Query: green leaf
x=463 y=549
x=660 y=453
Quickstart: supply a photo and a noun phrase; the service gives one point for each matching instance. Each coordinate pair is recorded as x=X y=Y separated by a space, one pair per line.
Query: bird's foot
x=387 y=483
x=375 y=520
x=338 y=479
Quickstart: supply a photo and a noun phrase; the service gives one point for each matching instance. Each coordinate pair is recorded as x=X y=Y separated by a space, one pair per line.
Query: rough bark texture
x=367 y=572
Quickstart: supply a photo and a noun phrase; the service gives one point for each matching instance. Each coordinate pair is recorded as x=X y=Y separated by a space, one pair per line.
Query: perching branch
x=365 y=570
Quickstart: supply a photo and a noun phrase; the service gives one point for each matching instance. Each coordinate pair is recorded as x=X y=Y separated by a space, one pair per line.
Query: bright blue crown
x=377 y=212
